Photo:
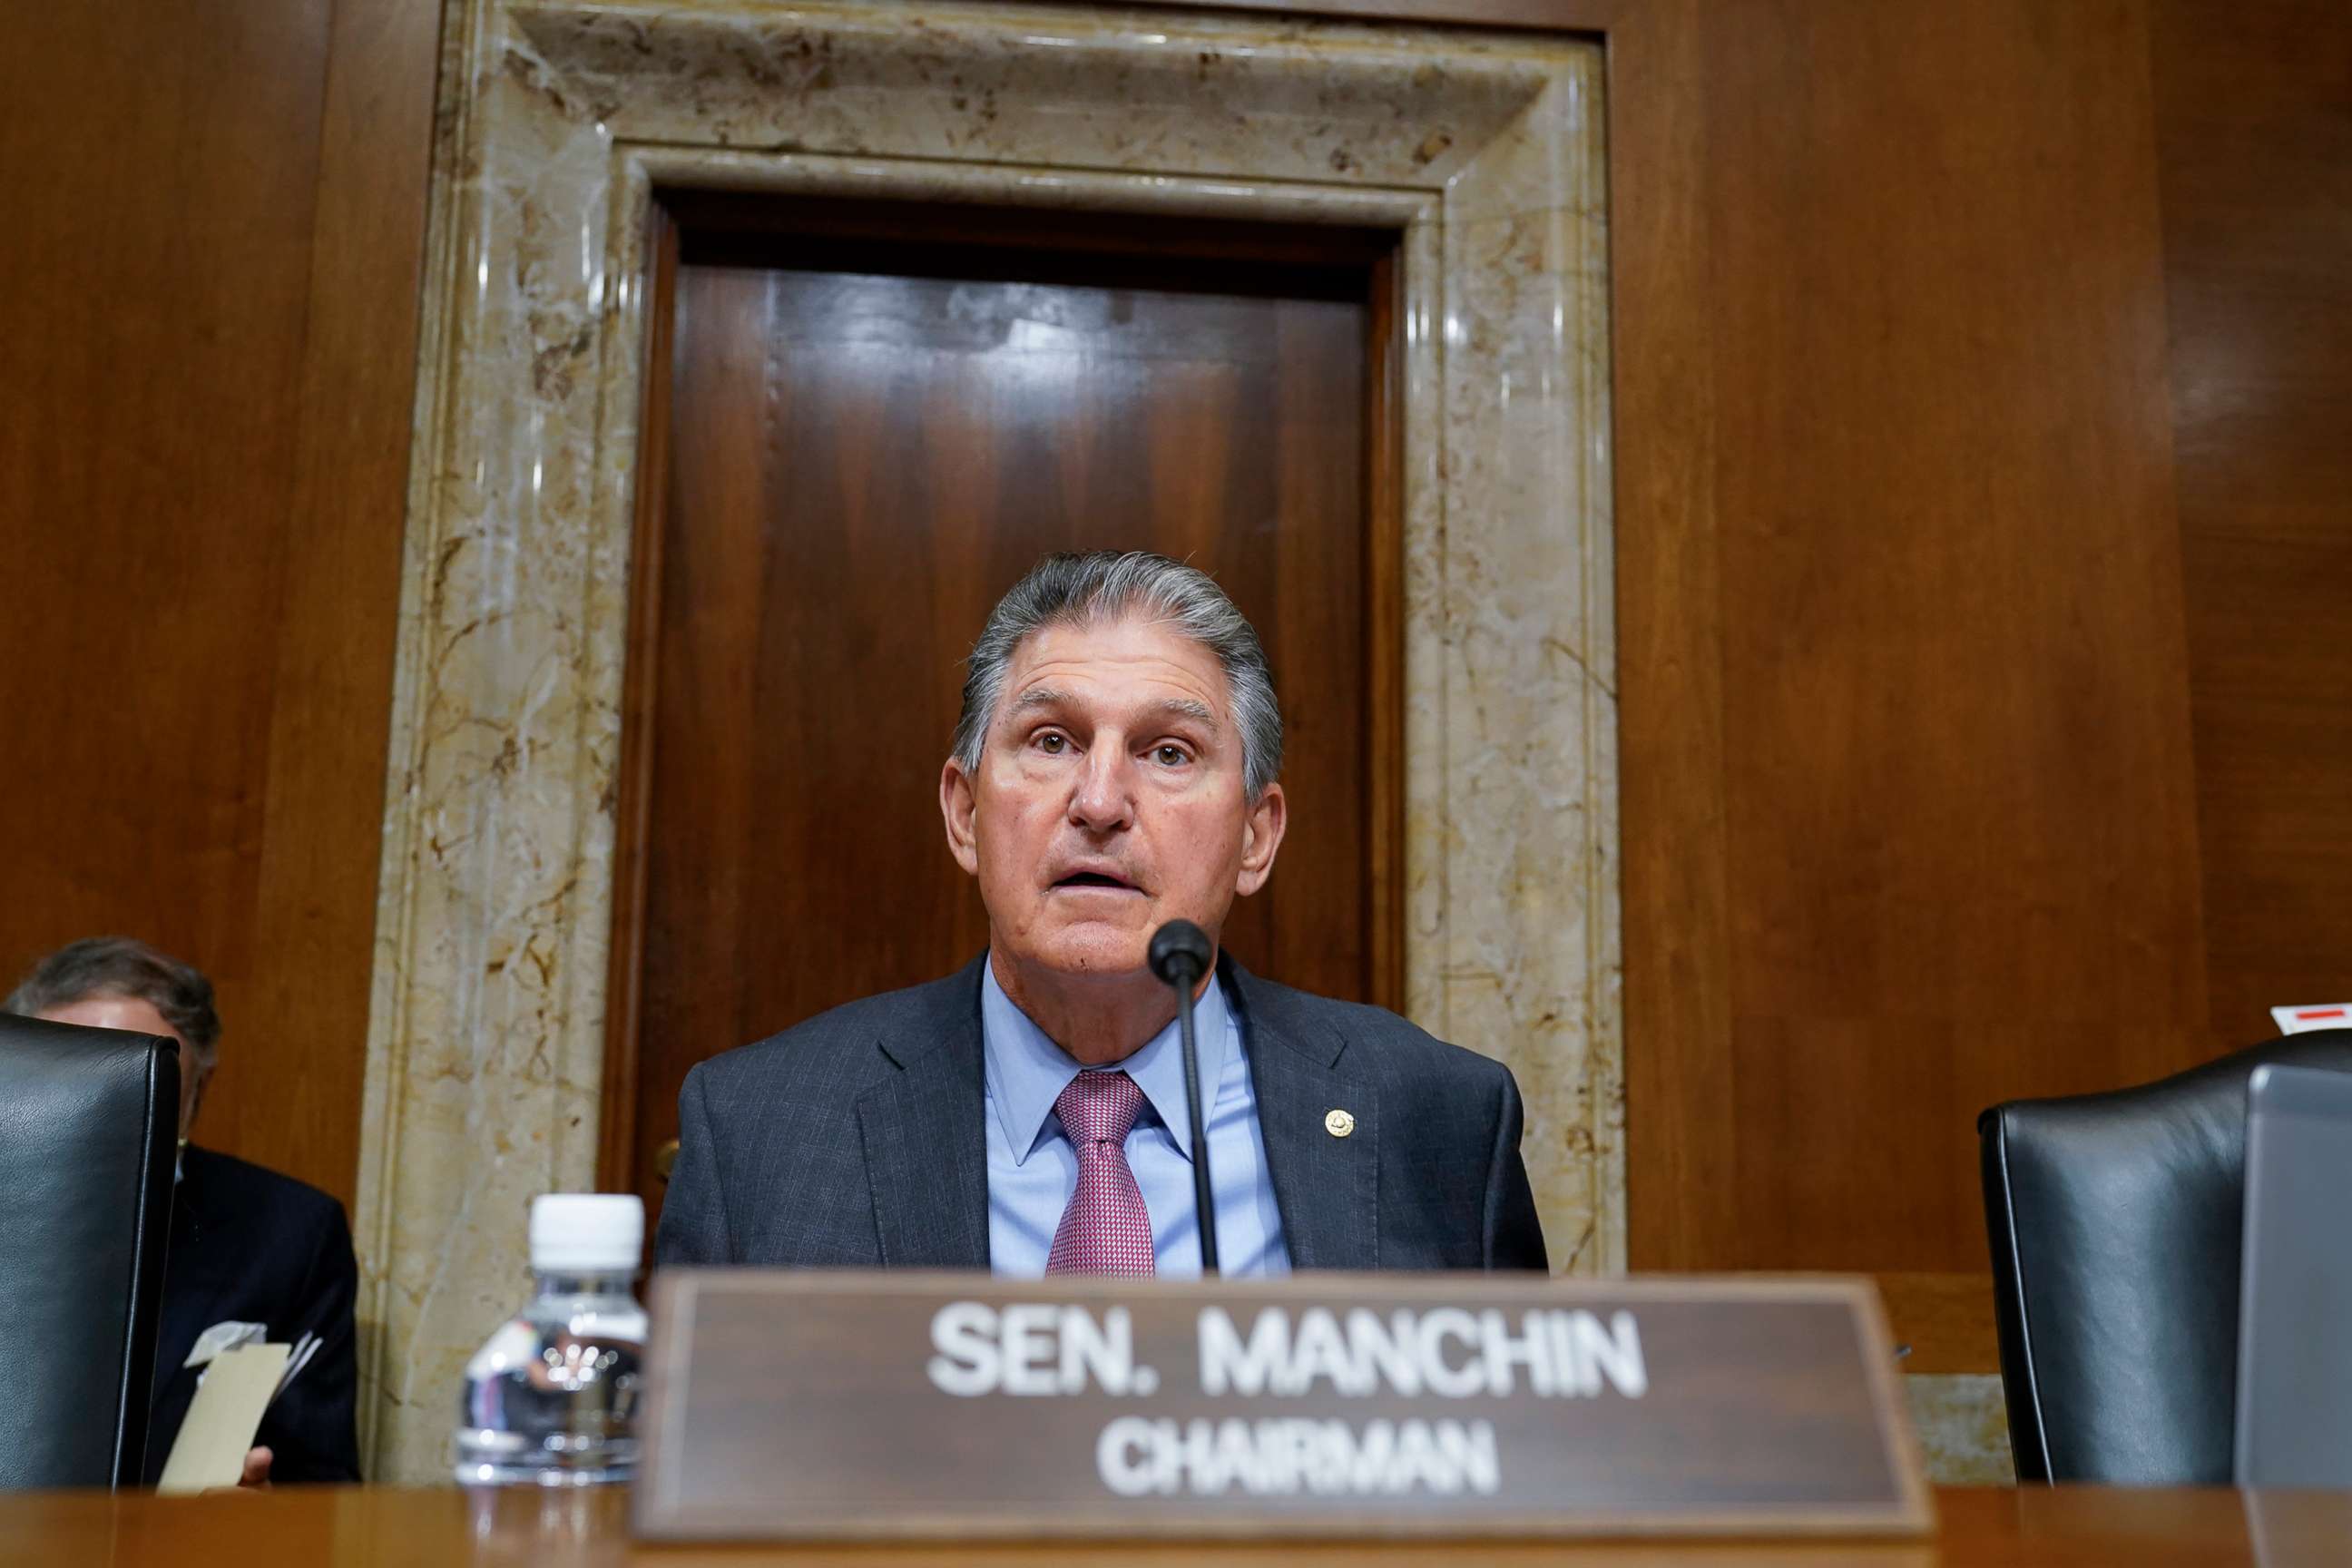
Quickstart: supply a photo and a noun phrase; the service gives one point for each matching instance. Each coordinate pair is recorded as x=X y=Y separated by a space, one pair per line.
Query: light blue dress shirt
x=1032 y=1168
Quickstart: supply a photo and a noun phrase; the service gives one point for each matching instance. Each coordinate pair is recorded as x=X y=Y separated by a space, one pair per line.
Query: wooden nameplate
x=788 y=1406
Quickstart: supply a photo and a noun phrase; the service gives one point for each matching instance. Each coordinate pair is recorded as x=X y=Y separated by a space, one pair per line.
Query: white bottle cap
x=586 y=1233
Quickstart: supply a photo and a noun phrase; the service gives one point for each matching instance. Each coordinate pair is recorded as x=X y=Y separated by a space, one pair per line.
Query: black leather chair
x=89 y=1123
x=2114 y=1221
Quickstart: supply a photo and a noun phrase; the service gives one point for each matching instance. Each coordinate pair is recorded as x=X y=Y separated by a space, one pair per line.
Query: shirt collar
x=1027 y=1071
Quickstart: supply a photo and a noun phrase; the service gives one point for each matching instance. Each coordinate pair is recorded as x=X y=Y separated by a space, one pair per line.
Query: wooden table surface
x=368 y=1527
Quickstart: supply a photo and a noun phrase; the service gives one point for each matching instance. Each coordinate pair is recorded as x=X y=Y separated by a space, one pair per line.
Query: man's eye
x=1052 y=744
x=1172 y=756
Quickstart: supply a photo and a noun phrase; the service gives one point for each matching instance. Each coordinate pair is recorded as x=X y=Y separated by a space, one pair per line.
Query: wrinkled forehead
x=114 y=1010
x=1133 y=661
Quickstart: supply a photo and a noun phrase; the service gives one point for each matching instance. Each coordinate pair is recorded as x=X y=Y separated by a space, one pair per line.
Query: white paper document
x=222 y=1419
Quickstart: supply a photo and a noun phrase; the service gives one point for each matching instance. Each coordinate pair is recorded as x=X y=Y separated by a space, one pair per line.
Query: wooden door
x=861 y=445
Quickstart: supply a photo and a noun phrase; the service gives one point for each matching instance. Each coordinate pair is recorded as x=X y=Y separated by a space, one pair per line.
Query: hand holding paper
x=216 y=1438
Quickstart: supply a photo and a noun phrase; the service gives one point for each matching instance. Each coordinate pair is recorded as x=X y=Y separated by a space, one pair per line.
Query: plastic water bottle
x=551 y=1399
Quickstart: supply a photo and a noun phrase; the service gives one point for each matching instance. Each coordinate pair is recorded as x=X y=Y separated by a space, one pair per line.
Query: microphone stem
x=1204 y=1197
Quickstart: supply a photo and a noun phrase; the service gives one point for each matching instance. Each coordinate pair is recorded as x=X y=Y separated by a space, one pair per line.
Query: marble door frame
x=556 y=124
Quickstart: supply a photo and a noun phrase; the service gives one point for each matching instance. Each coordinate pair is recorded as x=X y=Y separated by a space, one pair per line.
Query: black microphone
x=1179 y=953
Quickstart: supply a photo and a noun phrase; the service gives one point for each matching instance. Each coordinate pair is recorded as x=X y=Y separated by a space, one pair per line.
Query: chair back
x=89 y=1127
x=2114 y=1221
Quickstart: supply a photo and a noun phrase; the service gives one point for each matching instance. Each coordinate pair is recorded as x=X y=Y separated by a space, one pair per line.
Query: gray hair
x=119 y=967
x=1108 y=585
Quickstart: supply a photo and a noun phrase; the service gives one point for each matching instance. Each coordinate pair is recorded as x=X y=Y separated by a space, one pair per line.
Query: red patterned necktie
x=1106 y=1229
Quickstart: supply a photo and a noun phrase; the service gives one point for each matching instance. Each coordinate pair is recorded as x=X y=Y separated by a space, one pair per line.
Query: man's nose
x=1105 y=798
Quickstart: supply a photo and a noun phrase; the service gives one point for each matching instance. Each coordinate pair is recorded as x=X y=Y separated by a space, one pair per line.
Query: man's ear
x=958 y=806
x=1261 y=837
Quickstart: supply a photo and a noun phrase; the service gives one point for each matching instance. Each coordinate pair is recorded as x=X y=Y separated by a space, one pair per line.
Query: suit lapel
x=1327 y=1187
x=926 y=1145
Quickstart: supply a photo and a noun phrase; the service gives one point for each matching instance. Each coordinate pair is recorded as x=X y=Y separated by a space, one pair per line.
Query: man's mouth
x=1106 y=879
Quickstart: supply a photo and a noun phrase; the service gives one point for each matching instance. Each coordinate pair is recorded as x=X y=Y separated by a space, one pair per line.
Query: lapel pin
x=1339 y=1123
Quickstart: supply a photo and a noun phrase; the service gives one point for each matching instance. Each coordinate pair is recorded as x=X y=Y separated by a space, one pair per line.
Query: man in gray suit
x=1114 y=768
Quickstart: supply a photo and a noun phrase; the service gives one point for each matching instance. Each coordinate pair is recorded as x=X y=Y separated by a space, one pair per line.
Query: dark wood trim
x=1670 y=791
x=971 y=242
x=617 y=1134
x=1384 y=613
x=337 y=610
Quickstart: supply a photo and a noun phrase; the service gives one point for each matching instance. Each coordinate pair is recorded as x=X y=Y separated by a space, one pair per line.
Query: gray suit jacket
x=856 y=1140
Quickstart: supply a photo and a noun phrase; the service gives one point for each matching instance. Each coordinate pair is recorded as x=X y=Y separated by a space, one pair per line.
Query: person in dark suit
x=1114 y=767
x=254 y=1255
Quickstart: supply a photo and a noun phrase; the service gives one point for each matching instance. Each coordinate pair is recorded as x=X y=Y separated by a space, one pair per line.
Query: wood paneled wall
x=1955 y=777
x=1985 y=530
x=2255 y=163
x=1982 y=377
x=207 y=323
